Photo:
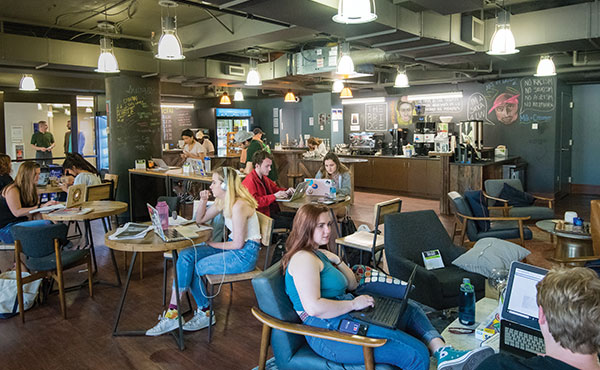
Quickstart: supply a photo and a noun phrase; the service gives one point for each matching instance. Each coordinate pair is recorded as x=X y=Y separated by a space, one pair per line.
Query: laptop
x=520 y=333
x=169 y=235
x=44 y=179
x=75 y=195
x=298 y=193
x=387 y=311
x=318 y=187
x=162 y=164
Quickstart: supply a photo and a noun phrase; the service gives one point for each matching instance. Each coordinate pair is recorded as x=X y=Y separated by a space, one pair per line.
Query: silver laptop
x=169 y=235
x=520 y=333
x=162 y=164
x=298 y=193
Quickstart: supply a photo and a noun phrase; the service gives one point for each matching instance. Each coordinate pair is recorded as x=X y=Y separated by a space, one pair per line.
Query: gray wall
x=586 y=135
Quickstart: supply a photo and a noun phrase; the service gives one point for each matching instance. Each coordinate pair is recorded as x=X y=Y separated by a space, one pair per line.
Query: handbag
x=9 y=304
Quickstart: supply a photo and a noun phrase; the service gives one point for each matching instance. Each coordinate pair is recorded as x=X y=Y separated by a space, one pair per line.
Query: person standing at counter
x=42 y=142
x=5 y=170
x=266 y=192
x=68 y=145
x=255 y=145
x=209 y=147
x=191 y=148
x=340 y=175
x=316 y=148
x=243 y=139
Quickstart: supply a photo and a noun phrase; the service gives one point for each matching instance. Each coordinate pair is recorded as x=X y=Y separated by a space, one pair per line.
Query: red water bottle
x=163 y=214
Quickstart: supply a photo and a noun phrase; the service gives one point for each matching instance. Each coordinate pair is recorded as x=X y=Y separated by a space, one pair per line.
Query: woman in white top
x=235 y=256
x=191 y=148
x=83 y=171
x=316 y=148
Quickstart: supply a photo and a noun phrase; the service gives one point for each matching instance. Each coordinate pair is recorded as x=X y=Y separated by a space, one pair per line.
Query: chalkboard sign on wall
x=174 y=121
x=376 y=117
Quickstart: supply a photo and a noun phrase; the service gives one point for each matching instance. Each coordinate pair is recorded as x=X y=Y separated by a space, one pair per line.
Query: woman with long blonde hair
x=18 y=198
x=237 y=255
x=5 y=170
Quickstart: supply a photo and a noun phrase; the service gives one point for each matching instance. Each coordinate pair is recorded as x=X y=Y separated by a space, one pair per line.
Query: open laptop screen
x=520 y=304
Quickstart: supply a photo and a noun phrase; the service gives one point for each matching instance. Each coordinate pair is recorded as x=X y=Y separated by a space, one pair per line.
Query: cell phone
x=352 y=327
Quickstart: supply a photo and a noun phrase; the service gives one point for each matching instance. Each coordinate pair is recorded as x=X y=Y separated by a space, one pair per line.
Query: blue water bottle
x=332 y=192
x=466 y=309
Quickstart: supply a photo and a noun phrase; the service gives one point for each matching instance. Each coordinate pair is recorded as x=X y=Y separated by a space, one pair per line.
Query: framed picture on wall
x=354 y=119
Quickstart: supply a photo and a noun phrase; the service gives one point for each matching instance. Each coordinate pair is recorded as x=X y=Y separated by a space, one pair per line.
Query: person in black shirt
x=569 y=316
x=5 y=170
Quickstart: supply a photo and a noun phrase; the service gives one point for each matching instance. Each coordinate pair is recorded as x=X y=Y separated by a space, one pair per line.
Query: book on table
x=74 y=211
x=131 y=230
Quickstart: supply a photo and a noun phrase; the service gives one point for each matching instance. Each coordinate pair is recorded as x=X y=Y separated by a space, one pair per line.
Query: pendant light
x=545 y=67
x=503 y=41
x=238 y=96
x=27 y=83
x=169 y=45
x=253 y=77
x=345 y=65
x=338 y=86
x=107 y=63
x=355 y=11
x=290 y=97
x=401 y=79
x=346 y=93
x=225 y=100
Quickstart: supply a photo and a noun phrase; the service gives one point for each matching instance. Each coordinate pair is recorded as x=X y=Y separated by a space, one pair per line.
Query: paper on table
x=179 y=221
x=131 y=231
x=191 y=231
x=47 y=208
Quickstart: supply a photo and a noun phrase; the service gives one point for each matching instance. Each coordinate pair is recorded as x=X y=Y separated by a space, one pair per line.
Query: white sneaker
x=199 y=321
x=165 y=325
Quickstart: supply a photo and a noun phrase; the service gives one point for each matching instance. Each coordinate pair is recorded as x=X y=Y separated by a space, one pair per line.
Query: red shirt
x=263 y=190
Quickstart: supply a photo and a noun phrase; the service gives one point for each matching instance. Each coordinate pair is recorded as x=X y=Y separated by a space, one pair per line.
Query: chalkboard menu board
x=376 y=117
x=443 y=105
x=174 y=121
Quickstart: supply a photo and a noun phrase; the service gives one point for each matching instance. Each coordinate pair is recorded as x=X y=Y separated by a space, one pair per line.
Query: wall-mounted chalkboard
x=376 y=117
x=435 y=105
x=174 y=121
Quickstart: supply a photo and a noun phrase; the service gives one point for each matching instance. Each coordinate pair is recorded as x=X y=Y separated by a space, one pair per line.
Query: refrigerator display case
x=230 y=120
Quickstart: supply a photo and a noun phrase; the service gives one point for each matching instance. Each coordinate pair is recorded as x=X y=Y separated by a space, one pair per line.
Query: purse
x=9 y=304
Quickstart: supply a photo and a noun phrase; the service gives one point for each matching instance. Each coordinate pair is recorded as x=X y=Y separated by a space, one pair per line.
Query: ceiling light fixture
x=545 y=67
x=169 y=45
x=27 y=83
x=346 y=93
x=88 y=110
x=225 y=100
x=503 y=41
x=253 y=77
x=107 y=62
x=39 y=106
x=379 y=99
x=355 y=11
x=177 y=105
x=345 y=65
x=290 y=97
x=446 y=95
x=238 y=96
x=338 y=86
x=50 y=113
x=401 y=79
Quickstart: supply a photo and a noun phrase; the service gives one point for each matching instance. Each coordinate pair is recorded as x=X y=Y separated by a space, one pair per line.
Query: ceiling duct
x=472 y=30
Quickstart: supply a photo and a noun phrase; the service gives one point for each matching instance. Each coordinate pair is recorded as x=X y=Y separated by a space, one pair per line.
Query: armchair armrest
x=494 y=198
x=491 y=218
x=544 y=199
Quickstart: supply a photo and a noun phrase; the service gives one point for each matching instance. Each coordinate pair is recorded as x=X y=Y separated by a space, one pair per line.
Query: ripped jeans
x=406 y=347
x=203 y=259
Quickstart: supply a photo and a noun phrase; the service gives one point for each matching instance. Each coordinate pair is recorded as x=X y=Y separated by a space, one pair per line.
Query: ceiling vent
x=472 y=30
x=236 y=71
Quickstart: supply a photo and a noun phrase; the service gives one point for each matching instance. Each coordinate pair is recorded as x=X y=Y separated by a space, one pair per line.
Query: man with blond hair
x=569 y=316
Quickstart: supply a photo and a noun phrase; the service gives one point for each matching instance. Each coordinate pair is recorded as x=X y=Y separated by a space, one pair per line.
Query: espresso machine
x=364 y=142
x=424 y=136
x=470 y=141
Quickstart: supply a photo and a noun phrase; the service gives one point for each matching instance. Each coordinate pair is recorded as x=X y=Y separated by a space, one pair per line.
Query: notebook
x=387 y=311
x=318 y=187
x=520 y=333
x=169 y=235
x=298 y=193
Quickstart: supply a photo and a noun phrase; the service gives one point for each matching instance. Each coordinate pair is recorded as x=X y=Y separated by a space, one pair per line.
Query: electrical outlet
x=534 y=126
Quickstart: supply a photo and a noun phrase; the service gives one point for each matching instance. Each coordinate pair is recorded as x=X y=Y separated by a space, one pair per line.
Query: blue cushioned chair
x=501 y=227
x=41 y=244
x=410 y=233
x=493 y=188
x=287 y=339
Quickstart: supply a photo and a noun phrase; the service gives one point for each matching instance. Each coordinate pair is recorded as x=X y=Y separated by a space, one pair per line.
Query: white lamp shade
x=545 y=67
x=107 y=63
x=401 y=80
x=503 y=41
x=345 y=65
x=169 y=46
x=253 y=78
x=338 y=86
x=238 y=96
x=355 y=11
x=27 y=83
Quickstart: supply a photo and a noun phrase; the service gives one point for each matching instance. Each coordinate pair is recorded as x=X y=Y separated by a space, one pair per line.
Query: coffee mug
x=569 y=216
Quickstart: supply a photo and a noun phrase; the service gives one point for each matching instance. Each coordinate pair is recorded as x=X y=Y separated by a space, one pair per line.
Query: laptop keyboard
x=387 y=310
x=524 y=341
x=171 y=233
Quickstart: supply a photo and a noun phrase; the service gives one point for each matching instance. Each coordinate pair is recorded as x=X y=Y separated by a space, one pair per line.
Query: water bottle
x=466 y=309
x=163 y=214
x=332 y=192
x=207 y=164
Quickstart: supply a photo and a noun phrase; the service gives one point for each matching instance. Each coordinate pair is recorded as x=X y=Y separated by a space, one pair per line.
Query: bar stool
x=293 y=177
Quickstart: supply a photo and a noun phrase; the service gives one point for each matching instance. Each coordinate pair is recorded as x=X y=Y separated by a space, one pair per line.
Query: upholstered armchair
x=542 y=209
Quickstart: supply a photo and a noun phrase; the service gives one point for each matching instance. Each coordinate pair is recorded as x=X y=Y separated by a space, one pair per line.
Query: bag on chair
x=9 y=304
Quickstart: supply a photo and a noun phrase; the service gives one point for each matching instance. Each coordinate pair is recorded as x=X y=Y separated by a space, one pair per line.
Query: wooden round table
x=151 y=243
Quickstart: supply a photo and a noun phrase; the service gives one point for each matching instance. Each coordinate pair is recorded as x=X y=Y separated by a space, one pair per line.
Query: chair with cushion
x=44 y=257
x=509 y=194
x=284 y=332
x=409 y=234
x=473 y=216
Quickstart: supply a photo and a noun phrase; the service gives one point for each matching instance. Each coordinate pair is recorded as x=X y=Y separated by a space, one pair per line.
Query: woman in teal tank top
x=317 y=282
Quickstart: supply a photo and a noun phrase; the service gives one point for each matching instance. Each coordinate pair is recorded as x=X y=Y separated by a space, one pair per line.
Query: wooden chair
x=114 y=179
x=266 y=230
x=371 y=241
x=293 y=177
x=98 y=192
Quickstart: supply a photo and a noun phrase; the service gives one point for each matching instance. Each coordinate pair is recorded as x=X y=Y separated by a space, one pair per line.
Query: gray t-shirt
x=87 y=178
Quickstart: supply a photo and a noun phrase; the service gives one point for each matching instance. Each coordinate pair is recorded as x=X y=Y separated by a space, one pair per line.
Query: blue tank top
x=333 y=283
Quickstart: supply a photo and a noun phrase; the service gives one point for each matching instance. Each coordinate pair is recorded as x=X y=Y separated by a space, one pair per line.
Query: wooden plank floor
x=84 y=341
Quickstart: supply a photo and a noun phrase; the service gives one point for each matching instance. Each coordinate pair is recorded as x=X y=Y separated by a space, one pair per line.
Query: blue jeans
x=203 y=259
x=6 y=234
x=406 y=346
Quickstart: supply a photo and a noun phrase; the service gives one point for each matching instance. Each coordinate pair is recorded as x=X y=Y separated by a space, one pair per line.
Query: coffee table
x=467 y=342
x=570 y=244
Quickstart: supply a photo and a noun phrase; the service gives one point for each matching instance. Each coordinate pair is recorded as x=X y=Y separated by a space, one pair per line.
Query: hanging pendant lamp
x=225 y=100
x=503 y=41
x=238 y=96
x=338 y=86
x=346 y=93
x=107 y=63
x=27 y=83
x=253 y=77
x=290 y=97
x=355 y=11
x=545 y=67
x=169 y=45
x=401 y=79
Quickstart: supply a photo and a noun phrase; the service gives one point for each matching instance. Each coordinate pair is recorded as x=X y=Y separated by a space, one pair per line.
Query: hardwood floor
x=85 y=341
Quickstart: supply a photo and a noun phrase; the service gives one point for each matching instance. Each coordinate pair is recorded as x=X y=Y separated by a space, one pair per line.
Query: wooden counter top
x=493 y=162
